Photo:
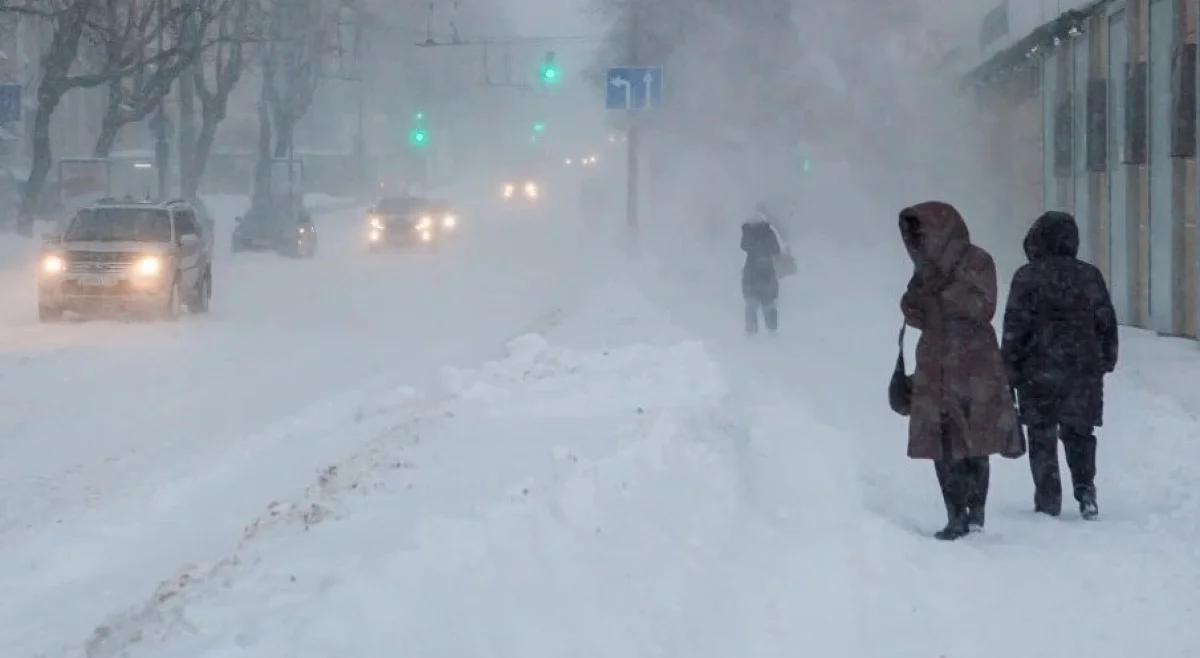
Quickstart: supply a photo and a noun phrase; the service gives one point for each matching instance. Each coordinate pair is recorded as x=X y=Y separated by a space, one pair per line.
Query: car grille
x=100 y=262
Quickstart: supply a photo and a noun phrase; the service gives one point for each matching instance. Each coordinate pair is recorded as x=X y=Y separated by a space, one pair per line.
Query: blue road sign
x=634 y=88
x=10 y=103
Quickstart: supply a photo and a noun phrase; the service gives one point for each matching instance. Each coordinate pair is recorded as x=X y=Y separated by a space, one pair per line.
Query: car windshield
x=120 y=225
x=397 y=204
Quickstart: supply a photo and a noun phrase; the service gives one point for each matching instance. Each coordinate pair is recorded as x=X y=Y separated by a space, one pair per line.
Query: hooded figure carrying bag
x=900 y=389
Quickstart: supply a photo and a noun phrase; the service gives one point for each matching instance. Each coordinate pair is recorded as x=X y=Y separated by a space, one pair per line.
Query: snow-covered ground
x=110 y=428
x=629 y=477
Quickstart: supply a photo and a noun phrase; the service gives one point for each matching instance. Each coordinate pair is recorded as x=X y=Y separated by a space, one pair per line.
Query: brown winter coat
x=959 y=377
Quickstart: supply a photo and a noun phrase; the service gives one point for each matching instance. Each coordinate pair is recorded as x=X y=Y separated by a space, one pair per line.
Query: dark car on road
x=409 y=221
x=277 y=226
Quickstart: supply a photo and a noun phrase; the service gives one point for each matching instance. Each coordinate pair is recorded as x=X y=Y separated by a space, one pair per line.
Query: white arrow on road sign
x=648 y=79
x=622 y=82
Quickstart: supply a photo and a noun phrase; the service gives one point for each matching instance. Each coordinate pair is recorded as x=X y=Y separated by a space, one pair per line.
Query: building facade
x=1115 y=83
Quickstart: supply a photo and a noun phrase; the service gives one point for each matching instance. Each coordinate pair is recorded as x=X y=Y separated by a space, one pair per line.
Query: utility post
x=632 y=174
x=360 y=137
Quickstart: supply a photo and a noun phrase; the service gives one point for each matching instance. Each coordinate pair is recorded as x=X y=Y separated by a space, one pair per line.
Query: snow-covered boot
x=1088 y=508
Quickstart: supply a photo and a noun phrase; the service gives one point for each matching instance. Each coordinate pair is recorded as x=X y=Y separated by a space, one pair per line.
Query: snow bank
x=343 y=558
x=605 y=502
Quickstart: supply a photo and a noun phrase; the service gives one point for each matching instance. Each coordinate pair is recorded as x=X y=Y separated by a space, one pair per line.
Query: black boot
x=953 y=483
x=957 y=525
x=980 y=481
x=1080 y=446
x=1043 y=465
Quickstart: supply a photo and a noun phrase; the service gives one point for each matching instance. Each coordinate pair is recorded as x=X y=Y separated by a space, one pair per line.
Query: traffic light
x=550 y=72
x=418 y=136
x=807 y=165
x=539 y=127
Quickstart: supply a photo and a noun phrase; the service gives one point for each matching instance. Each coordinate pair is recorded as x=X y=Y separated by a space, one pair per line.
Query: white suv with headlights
x=125 y=256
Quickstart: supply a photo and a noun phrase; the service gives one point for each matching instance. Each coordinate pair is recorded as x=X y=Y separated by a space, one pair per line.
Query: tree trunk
x=262 y=167
x=204 y=143
x=283 y=137
x=110 y=125
x=31 y=192
x=108 y=136
x=189 y=174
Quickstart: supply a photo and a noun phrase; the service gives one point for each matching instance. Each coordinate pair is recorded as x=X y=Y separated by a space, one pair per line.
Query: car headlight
x=377 y=222
x=449 y=221
x=426 y=235
x=149 y=266
x=425 y=223
x=531 y=190
x=54 y=264
x=375 y=235
x=509 y=190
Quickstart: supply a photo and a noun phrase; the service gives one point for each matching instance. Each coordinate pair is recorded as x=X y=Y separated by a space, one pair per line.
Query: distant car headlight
x=531 y=190
x=149 y=266
x=449 y=221
x=426 y=235
x=377 y=222
x=508 y=190
x=375 y=235
x=54 y=264
x=424 y=223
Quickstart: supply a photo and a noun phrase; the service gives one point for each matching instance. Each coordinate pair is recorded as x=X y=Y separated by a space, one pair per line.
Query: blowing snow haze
x=345 y=328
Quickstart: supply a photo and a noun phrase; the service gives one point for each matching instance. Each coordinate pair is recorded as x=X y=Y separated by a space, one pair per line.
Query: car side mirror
x=190 y=240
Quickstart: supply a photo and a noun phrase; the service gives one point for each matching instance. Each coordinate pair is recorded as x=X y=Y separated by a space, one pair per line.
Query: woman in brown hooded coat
x=962 y=406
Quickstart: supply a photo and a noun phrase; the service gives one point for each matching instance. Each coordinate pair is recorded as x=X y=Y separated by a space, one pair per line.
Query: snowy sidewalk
x=1029 y=585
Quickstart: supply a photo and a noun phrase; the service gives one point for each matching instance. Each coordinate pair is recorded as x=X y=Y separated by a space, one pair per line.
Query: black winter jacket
x=1060 y=328
x=759 y=279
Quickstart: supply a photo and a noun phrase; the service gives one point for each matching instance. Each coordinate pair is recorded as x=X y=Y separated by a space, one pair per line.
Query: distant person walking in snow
x=760 y=280
x=1060 y=339
x=961 y=406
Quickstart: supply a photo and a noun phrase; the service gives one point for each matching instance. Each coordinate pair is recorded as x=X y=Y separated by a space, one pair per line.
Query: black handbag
x=1016 y=446
x=901 y=387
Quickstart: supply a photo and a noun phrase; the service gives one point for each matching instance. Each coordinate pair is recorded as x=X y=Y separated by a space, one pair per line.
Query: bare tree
x=301 y=37
x=70 y=22
x=211 y=81
x=152 y=43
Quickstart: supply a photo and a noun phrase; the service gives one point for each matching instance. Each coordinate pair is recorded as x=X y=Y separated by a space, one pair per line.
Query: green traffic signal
x=418 y=137
x=539 y=127
x=807 y=165
x=550 y=72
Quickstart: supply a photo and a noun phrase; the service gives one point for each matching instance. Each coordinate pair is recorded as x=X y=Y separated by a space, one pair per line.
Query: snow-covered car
x=150 y=258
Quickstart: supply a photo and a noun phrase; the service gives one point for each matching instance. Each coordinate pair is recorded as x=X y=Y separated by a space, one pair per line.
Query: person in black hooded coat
x=760 y=281
x=1059 y=340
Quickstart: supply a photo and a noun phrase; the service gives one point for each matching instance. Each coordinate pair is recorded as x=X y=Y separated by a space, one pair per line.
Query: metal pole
x=360 y=142
x=291 y=165
x=631 y=140
x=161 y=146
